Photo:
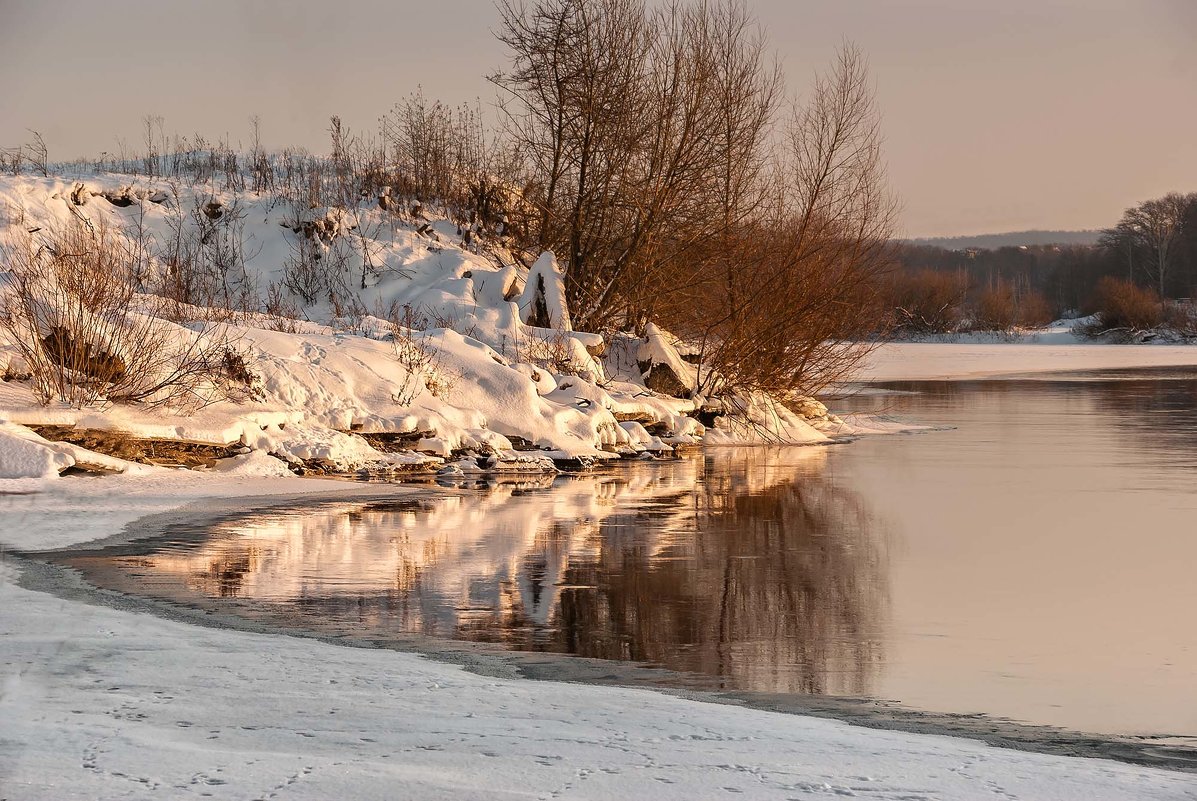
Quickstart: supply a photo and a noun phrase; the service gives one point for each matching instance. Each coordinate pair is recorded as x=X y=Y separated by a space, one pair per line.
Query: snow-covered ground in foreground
x=101 y=703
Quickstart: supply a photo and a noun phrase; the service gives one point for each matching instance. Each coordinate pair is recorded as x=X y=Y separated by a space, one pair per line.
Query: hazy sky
x=999 y=114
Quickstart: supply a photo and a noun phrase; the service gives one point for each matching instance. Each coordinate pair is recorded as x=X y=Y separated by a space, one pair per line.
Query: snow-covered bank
x=1056 y=348
x=103 y=703
x=433 y=341
x=929 y=361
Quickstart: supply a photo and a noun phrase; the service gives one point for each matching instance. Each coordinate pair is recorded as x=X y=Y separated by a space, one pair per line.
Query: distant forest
x=1152 y=247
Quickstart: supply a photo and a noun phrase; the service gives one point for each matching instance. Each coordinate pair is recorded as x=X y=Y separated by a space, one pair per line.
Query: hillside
x=364 y=336
x=1011 y=239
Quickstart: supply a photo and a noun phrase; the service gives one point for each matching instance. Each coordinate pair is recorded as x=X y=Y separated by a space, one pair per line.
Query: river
x=1032 y=558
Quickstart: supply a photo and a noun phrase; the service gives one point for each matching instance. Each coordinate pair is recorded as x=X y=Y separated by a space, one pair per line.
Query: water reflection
x=1033 y=559
x=1046 y=544
x=776 y=584
x=744 y=565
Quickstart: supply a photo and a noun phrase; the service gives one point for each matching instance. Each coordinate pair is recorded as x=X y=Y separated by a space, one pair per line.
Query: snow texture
x=25 y=455
x=465 y=371
x=544 y=292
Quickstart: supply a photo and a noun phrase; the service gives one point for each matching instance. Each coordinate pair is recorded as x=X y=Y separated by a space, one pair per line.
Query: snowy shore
x=919 y=361
x=1054 y=349
x=439 y=353
x=105 y=703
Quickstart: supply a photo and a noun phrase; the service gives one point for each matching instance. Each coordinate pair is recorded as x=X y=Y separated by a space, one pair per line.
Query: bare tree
x=644 y=133
x=36 y=154
x=260 y=166
x=575 y=105
x=807 y=298
x=154 y=134
x=10 y=160
x=1155 y=229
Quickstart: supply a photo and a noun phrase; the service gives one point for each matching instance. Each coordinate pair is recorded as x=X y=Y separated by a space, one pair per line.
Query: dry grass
x=121 y=445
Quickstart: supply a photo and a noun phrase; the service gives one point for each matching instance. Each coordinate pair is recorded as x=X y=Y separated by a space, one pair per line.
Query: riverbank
x=934 y=361
x=100 y=702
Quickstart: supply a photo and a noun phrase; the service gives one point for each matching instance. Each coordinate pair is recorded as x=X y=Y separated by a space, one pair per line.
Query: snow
x=255 y=464
x=465 y=367
x=930 y=361
x=545 y=287
x=1054 y=348
x=23 y=454
x=102 y=703
x=661 y=349
x=762 y=420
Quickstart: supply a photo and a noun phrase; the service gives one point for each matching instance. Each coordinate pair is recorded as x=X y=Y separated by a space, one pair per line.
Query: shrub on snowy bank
x=927 y=301
x=1004 y=307
x=930 y=302
x=1181 y=318
x=1124 y=310
x=85 y=336
x=1122 y=305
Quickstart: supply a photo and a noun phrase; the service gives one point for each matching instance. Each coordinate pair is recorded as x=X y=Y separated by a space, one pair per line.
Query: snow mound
x=254 y=464
x=760 y=419
x=25 y=455
x=543 y=301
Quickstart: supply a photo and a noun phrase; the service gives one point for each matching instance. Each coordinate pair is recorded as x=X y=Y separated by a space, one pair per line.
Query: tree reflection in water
x=747 y=565
x=771 y=578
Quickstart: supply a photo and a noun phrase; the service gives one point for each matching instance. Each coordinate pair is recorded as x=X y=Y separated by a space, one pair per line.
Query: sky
x=998 y=116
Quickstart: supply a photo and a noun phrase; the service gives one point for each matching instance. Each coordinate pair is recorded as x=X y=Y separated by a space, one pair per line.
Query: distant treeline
x=1153 y=247
x=1011 y=239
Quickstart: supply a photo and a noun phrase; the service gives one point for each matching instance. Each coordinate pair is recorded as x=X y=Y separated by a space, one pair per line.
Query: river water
x=1034 y=559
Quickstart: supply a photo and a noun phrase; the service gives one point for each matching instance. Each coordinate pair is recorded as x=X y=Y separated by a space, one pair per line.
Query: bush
x=928 y=302
x=1034 y=311
x=996 y=308
x=419 y=356
x=1000 y=307
x=1181 y=317
x=1122 y=306
x=72 y=311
